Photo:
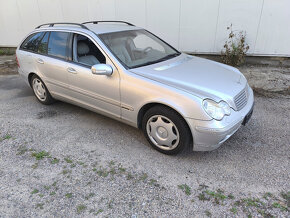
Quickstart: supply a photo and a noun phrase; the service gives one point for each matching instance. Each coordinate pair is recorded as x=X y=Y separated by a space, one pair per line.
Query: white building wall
x=197 y=26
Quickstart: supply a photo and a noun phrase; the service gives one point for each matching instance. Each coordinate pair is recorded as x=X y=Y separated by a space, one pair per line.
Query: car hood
x=198 y=76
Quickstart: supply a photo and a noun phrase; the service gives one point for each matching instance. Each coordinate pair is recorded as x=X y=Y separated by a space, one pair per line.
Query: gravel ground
x=62 y=160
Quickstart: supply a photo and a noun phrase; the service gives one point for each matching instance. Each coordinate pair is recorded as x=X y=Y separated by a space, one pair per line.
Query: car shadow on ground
x=235 y=145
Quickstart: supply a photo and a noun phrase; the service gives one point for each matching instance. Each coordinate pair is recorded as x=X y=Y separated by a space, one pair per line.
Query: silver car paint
x=181 y=83
x=198 y=76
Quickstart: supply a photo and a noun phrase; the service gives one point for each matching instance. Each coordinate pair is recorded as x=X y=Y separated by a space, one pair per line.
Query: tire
x=40 y=91
x=166 y=130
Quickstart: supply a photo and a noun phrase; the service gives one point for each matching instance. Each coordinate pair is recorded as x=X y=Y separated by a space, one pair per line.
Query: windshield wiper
x=169 y=57
x=158 y=60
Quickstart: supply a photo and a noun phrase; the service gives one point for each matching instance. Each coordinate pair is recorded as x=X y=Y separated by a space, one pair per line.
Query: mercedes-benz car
x=129 y=74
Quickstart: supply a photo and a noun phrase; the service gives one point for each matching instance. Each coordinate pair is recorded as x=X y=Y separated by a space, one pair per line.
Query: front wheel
x=166 y=130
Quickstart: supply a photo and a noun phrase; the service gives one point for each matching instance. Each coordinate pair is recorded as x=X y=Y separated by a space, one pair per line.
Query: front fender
x=137 y=91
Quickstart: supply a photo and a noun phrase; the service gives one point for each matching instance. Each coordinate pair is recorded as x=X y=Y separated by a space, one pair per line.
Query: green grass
x=40 y=155
x=52 y=193
x=286 y=196
x=207 y=195
x=281 y=207
x=81 y=208
x=99 y=211
x=35 y=191
x=112 y=171
x=68 y=160
x=202 y=197
x=6 y=137
x=121 y=169
x=47 y=187
x=54 y=161
x=68 y=195
x=234 y=210
x=202 y=186
x=218 y=195
x=252 y=202
x=267 y=195
x=185 y=188
x=110 y=204
x=144 y=176
x=208 y=213
x=39 y=205
x=130 y=176
x=90 y=196
x=64 y=172
x=22 y=150
x=265 y=214
x=111 y=163
x=34 y=166
x=102 y=173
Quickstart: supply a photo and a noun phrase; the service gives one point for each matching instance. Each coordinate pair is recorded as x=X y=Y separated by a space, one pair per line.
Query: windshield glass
x=136 y=48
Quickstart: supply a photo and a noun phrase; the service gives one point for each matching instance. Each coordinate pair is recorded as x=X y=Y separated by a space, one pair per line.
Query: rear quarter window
x=31 y=42
x=42 y=47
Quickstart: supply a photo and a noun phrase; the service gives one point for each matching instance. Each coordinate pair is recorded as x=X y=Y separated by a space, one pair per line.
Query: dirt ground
x=62 y=160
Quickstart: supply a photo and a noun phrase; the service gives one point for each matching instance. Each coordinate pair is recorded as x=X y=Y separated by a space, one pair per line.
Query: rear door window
x=58 y=44
x=42 y=47
x=32 y=42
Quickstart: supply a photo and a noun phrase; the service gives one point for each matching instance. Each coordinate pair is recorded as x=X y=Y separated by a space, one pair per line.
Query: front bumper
x=209 y=135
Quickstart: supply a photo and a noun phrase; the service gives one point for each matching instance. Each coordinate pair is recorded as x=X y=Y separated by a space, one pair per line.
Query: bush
x=235 y=48
x=7 y=51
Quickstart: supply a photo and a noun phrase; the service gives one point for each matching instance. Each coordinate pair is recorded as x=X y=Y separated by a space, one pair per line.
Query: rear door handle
x=71 y=70
x=40 y=61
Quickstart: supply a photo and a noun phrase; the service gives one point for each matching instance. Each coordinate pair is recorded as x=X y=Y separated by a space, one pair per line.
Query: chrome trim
x=241 y=100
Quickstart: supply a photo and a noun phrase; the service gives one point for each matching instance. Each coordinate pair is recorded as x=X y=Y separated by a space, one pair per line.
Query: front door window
x=85 y=52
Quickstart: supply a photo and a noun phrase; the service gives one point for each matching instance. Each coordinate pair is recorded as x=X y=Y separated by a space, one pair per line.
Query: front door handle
x=40 y=61
x=71 y=70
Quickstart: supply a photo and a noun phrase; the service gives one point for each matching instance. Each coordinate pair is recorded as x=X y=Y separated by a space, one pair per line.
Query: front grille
x=241 y=100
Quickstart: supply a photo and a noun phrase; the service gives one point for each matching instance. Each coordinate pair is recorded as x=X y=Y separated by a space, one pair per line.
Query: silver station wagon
x=129 y=74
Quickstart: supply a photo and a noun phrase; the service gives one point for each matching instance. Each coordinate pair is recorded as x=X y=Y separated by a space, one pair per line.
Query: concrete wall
x=197 y=26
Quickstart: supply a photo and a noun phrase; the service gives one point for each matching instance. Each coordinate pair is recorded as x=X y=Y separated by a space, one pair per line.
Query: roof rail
x=108 y=21
x=52 y=24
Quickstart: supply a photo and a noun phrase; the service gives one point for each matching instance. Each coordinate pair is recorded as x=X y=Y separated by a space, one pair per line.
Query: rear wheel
x=40 y=90
x=166 y=130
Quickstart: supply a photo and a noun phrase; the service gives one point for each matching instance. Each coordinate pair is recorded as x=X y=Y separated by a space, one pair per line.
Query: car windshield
x=137 y=48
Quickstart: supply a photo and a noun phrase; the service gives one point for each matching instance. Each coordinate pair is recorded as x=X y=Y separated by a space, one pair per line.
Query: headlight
x=216 y=110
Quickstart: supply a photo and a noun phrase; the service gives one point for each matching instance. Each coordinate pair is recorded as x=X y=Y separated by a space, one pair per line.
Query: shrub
x=235 y=48
x=7 y=51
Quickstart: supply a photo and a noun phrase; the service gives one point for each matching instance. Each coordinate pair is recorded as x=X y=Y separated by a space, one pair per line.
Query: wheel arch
x=149 y=105
x=30 y=75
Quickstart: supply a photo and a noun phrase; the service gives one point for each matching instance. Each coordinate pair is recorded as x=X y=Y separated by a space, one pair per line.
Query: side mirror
x=102 y=69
